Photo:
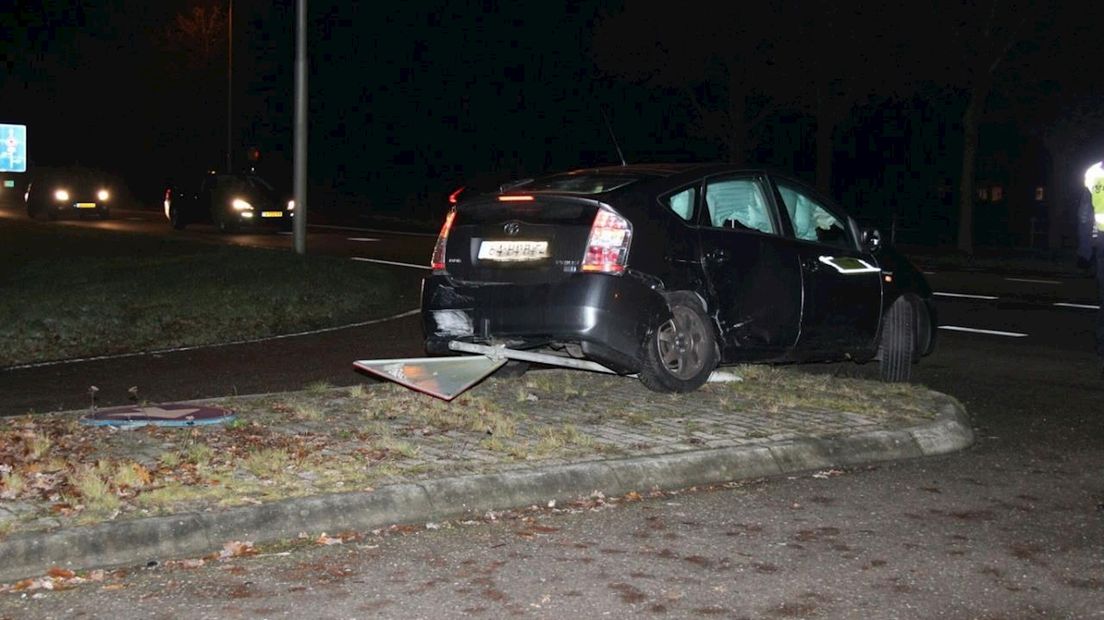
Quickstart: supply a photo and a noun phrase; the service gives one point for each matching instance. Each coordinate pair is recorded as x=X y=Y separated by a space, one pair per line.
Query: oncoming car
x=671 y=270
x=56 y=192
x=230 y=202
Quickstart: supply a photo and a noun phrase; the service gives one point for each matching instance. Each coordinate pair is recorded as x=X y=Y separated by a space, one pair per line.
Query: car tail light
x=607 y=248
x=454 y=197
x=438 y=261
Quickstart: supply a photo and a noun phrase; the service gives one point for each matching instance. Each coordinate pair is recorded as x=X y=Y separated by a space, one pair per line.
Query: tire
x=105 y=214
x=680 y=354
x=512 y=369
x=224 y=225
x=897 y=348
x=176 y=218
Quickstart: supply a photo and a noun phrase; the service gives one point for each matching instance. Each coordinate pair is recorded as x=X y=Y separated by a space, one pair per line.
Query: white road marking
x=965 y=295
x=1032 y=281
x=363 y=239
x=285 y=233
x=989 y=332
x=1082 y=306
x=373 y=230
x=928 y=273
x=212 y=346
x=390 y=262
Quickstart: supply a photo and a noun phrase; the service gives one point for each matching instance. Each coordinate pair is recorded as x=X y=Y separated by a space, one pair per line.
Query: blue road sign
x=13 y=148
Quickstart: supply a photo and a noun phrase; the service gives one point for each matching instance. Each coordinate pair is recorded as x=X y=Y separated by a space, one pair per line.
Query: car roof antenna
x=613 y=137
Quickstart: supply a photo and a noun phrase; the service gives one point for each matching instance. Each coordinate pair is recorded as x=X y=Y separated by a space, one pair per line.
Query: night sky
x=409 y=100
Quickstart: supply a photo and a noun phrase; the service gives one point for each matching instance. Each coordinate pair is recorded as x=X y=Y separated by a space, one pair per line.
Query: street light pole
x=299 y=176
x=229 y=87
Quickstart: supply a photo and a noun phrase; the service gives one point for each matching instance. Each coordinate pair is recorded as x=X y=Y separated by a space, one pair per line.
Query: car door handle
x=719 y=255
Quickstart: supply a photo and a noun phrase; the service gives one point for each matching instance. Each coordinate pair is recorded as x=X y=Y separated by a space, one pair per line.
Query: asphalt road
x=1011 y=528
x=265 y=366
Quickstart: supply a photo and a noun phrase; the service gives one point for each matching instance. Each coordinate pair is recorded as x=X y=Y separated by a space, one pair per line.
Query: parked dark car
x=671 y=270
x=57 y=192
x=230 y=202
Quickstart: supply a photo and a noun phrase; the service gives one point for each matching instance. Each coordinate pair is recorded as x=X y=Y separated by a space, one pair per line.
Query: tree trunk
x=826 y=125
x=736 y=140
x=970 y=129
x=1056 y=197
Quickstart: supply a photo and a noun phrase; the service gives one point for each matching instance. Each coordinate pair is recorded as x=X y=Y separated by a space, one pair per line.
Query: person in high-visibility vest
x=1090 y=242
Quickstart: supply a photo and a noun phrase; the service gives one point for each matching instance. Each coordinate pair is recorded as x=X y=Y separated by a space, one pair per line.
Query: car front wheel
x=898 y=345
x=224 y=225
x=680 y=354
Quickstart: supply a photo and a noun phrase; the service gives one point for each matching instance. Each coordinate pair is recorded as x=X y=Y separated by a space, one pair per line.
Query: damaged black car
x=667 y=271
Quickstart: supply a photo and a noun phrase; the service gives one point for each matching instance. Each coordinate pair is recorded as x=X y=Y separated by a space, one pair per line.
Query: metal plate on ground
x=443 y=377
x=159 y=415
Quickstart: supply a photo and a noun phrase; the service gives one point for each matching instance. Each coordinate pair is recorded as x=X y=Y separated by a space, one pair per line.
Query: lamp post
x=229 y=86
x=299 y=175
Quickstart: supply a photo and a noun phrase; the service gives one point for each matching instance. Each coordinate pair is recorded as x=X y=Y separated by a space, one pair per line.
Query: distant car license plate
x=85 y=205
x=513 y=250
x=272 y=214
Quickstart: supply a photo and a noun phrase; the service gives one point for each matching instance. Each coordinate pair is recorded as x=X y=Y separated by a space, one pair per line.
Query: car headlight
x=291 y=205
x=61 y=195
x=241 y=205
x=103 y=195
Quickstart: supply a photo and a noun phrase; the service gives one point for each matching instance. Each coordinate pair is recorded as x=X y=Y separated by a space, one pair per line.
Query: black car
x=670 y=270
x=230 y=202
x=57 y=192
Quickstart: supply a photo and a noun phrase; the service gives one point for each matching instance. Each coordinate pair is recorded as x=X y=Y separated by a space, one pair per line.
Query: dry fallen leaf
x=60 y=573
x=236 y=548
x=323 y=539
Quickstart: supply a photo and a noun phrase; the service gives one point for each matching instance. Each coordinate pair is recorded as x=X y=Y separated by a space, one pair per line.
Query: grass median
x=67 y=291
x=56 y=472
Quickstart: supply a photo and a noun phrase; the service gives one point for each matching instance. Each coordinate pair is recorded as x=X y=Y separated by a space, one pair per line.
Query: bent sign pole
x=300 y=173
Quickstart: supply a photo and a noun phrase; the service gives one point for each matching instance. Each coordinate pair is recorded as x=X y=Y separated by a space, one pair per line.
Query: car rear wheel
x=898 y=344
x=680 y=354
x=176 y=218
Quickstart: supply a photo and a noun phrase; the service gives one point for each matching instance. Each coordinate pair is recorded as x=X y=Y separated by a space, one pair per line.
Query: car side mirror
x=871 y=239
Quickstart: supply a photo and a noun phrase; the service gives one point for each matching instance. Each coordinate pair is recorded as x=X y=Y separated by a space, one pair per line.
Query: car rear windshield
x=576 y=183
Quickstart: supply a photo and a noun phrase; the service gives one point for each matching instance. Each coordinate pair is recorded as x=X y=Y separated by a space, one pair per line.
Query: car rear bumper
x=609 y=316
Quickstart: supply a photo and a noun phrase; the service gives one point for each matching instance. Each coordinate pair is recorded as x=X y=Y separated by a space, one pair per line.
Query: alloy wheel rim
x=682 y=343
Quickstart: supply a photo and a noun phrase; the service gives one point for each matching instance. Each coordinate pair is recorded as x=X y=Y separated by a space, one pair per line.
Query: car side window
x=682 y=203
x=738 y=204
x=812 y=220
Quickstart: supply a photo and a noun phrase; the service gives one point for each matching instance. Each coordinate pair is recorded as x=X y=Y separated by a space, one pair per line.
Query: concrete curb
x=193 y=534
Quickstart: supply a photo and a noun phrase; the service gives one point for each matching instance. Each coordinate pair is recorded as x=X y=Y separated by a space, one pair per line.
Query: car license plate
x=272 y=214
x=513 y=250
x=85 y=205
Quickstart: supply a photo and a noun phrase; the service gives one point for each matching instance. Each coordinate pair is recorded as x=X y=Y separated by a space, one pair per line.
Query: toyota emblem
x=512 y=229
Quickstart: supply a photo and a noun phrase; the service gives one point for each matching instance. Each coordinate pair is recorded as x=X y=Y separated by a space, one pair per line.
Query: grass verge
x=71 y=291
x=54 y=472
